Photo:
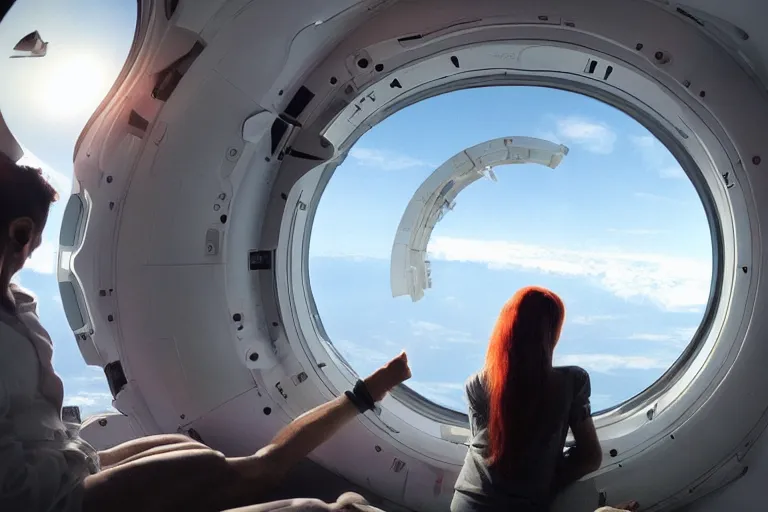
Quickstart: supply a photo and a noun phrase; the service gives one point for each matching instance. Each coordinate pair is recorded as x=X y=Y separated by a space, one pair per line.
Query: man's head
x=25 y=198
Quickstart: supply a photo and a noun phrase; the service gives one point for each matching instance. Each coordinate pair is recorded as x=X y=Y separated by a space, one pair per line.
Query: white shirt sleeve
x=29 y=481
x=34 y=476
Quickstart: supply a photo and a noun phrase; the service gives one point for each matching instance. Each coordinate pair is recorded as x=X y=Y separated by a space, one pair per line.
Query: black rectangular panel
x=260 y=260
x=299 y=102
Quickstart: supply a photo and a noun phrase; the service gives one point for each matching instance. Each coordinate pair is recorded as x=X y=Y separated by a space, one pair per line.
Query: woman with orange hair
x=520 y=409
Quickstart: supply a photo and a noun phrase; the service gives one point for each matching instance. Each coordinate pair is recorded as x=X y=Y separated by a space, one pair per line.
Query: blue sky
x=617 y=230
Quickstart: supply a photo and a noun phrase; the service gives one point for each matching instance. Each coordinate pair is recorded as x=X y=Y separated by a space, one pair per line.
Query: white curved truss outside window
x=410 y=269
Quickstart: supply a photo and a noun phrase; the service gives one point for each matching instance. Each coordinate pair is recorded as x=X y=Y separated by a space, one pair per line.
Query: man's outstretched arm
x=300 y=437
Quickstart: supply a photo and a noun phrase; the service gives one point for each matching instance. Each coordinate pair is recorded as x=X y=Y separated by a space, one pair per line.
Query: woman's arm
x=584 y=458
x=587 y=455
x=300 y=437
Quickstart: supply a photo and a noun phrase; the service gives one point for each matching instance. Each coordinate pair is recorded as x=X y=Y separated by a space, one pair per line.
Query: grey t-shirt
x=481 y=488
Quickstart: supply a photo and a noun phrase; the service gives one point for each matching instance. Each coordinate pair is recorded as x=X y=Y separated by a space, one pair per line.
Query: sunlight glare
x=75 y=87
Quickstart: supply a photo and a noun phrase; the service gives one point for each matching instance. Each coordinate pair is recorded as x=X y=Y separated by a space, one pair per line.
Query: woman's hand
x=388 y=376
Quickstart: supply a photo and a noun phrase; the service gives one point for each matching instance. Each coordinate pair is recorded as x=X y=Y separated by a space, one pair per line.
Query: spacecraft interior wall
x=200 y=196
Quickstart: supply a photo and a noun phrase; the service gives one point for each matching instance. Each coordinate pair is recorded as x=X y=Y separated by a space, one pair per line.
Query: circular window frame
x=450 y=416
x=692 y=145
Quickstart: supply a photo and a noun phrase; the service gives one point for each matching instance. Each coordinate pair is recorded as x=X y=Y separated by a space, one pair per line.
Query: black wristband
x=356 y=401
x=361 y=392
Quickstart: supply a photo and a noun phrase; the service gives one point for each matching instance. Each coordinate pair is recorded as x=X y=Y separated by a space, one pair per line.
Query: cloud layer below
x=608 y=363
x=673 y=283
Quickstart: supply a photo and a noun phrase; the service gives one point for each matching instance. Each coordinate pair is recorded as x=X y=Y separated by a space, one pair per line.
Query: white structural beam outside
x=410 y=270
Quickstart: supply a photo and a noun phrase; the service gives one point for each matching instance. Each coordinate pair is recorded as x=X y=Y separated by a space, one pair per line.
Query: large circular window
x=617 y=230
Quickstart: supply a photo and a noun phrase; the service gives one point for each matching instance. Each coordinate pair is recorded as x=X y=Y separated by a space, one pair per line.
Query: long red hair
x=517 y=369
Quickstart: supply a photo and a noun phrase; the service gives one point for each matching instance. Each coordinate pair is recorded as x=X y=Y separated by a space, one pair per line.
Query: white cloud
x=549 y=135
x=88 y=390
x=591 y=319
x=607 y=363
x=654 y=197
x=437 y=386
x=386 y=160
x=90 y=399
x=657 y=157
x=643 y=141
x=672 y=172
x=675 y=336
x=593 y=136
x=673 y=283
x=355 y=353
x=383 y=339
x=651 y=337
x=88 y=378
x=421 y=327
x=340 y=253
x=440 y=333
x=453 y=302
x=43 y=260
x=637 y=232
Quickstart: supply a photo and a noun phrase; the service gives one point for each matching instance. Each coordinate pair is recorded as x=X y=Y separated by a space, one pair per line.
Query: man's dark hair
x=24 y=192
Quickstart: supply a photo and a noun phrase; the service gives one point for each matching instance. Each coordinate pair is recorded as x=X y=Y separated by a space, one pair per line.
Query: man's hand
x=388 y=376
